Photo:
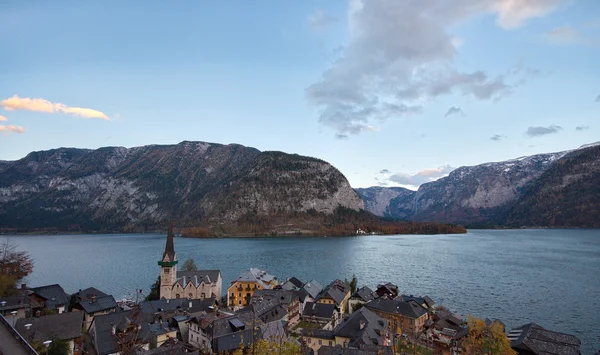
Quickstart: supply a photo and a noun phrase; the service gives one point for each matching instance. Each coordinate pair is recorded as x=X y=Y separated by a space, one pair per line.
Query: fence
x=28 y=349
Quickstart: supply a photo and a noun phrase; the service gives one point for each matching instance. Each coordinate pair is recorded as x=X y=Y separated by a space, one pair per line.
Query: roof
x=197 y=277
x=395 y=306
x=318 y=310
x=336 y=290
x=422 y=300
x=293 y=281
x=229 y=332
x=256 y=275
x=364 y=293
x=63 y=326
x=277 y=295
x=313 y=288
x=169 y=347
x=86 y=295
x=170 y=305
x=14 y=302
x=536 y=339
x=387 y=288
x=318 y=333
x=222 y=326
x=364 y=350
x=169 y=247
x=54 y=295
x=101 y=304
x=105 y=341
x=363 y=327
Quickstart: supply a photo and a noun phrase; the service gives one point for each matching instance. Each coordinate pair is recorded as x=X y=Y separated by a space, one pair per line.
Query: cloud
x=341 y=136
x=11 y=128
x=3 y=118
x=421 y=177
x=384 y=171
x=565 y=35
x=454 y=111
x=399 y=54
x=40 y=105
x=598 y=98
x=582 y=128
x=513 y=13
x=320 y=20
x=497 y=137
x=541 y=131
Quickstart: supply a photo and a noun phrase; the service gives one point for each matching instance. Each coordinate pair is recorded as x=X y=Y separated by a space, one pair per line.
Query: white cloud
x=422 y=176
x=3 y=118
x=565 y=35
x=536 y=131
x=11 y=128
x=598 y=98
x=320 y=20
x=41 y=105
x=400 y=54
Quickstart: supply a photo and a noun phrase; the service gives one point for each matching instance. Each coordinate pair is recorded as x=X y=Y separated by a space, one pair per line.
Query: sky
x=391 y=92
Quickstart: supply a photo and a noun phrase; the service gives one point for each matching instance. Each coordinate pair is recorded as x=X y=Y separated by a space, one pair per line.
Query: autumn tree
x=486 y=340
x=276 y=345
x=14 y=265
x=154 y=291
x=189 y=265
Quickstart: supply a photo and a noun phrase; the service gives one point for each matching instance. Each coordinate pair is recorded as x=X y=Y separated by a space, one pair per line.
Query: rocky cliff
x=116 y=188
x=555 y=190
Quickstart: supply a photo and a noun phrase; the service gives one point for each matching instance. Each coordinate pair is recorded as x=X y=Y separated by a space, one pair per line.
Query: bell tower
x=168 y=266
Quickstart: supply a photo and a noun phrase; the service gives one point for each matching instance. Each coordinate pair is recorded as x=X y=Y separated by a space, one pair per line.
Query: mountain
x=554 y=190
x=193 y=183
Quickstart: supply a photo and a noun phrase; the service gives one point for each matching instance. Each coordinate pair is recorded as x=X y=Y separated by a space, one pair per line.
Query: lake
x=519 y=276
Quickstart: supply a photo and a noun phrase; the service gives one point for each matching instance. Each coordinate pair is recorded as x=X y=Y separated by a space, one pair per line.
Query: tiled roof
x=421 y=300
x=197 y=277
x=539 y=341
x=319 y=310
x=14 y=302
x=63 y=326
x=104 y=303
x=54 y=295
x=364 y=293
x=313 y=288
x=336 y=290
x=105 y=341
x=408 y=309
x=296 y=282
x=363 y=327
x=256 y=275
x=86 y=295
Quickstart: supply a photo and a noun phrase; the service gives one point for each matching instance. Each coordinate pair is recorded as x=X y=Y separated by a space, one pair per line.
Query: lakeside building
x=199 y=284
x=242 y=289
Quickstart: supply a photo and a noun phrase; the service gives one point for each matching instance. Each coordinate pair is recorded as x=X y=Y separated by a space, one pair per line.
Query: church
x=198 y=284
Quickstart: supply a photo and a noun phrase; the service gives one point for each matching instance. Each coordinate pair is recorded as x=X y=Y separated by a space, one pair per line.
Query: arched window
x=177 y=296
x=190 y=295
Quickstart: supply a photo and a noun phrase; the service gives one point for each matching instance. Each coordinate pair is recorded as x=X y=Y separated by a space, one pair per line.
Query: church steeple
x=168 y=266
x=169 y=257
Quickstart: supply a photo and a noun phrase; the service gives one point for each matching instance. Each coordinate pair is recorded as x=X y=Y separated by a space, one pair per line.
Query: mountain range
x=545 y=190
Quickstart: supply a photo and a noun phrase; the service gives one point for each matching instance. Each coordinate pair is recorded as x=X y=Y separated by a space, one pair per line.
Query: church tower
x=168 y=265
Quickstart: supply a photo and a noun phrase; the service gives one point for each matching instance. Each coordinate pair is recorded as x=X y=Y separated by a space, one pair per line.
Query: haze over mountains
x=116 y=188
x=545 y=190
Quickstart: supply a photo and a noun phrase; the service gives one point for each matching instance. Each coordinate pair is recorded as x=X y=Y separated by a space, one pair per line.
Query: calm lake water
x=519 y=276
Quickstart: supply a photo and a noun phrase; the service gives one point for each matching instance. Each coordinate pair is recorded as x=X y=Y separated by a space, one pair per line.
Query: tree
x=154 y=290
x=276 y=345
x=14 y=265
x=486 y=340
x=352 y=283
x=189 y=265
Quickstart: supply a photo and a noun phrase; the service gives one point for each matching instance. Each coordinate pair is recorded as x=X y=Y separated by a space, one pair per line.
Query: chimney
x=93 y=298
x=167 y=300
x=113 y=329
x=362 y=324
x=190 y=304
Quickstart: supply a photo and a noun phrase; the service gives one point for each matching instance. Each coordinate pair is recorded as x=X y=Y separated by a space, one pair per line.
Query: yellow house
x=242 y=289
x=338 y=293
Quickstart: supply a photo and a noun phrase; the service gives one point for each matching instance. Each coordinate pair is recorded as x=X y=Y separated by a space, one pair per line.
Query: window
x=248 y=294
x=189 y=295
x=240 y=294
x=330 y=343
x=240 y=302
x=202 y=295
x=167 y=271
x=177 y=296
x=308 y=340
x=320 y=342
x=232 y=294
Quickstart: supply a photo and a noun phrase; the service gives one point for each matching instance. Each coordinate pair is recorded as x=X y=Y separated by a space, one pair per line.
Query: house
x=64 y=326
x=388 y=290
x=51 y=297
x=424 y=301
x=292 y=284
x=533 y=339
x=445 y=331
x=109 y=333
x=360 y=297
x=19 y=304
x=338 y=293
x=361 y=328
x=324 y=314
x=170 y=307
x=170 y=347
x=231 y=332
x=404 y=317
x=241 y=290
x=313 y=288
x=93 y=302
x=197 y=284
x=276 y=304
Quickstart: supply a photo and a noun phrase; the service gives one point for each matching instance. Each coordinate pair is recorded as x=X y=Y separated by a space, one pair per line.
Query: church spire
x=169 y=248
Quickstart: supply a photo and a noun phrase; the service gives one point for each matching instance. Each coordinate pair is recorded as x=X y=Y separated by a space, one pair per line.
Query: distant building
x=338 y=293
x=388 y=290
x=533 y=339
x=198 y=284
x=313 y=288
x=325 y=315
x=404 y=317
x=241 y=290
x=51 y=297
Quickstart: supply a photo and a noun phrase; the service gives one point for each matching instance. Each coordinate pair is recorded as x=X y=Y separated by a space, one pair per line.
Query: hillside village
x=256 y=313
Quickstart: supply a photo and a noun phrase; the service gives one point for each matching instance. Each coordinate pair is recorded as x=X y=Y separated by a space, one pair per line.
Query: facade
x=338 y=293
x=403 y=317
x=242 y=289
x=174 y=284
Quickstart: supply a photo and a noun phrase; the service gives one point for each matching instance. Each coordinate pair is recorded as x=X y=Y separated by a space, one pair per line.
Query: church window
x=167 y=271
x=177 y=296
x=189 y=295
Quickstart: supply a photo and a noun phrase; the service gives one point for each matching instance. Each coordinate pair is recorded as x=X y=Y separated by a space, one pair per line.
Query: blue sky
x=390 y=92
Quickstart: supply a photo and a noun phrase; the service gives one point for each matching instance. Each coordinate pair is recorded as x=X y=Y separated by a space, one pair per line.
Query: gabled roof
x=197 y=277
x=105 y=342
x=54 y=295
x=536 y=339
x=421 y=300
x=105 y=303
x=364 y=294
x=256 y=275
x=63 y=326
x=313 y=288
x=336 y=290
x=14 y=302
x=88 y=293
x=387 y=289
x=318 y=333
x=394 y=306
x=363 y=327
x=319 y=310
x=292 y=284
x=169 y=305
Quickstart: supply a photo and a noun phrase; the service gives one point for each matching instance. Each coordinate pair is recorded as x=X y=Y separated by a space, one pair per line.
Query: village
x=256 y=313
